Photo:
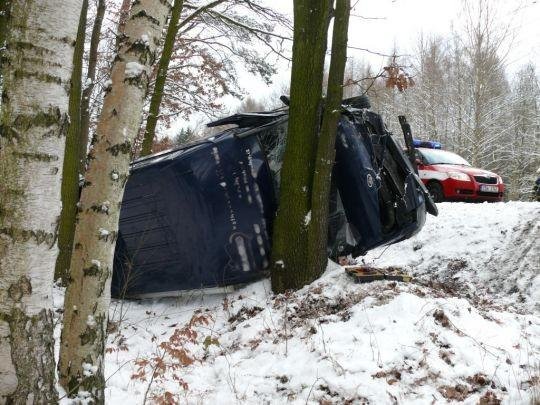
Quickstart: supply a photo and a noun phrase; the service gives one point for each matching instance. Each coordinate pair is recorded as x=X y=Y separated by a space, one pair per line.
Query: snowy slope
x=482 y=248
x=468 y=329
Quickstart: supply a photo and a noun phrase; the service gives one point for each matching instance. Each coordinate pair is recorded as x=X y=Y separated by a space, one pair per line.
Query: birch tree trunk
x=34 y=118
x=88 y=292
x=289 y=246
x=326 y=150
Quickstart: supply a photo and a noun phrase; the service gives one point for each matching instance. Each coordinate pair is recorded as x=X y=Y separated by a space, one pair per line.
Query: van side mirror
x=418 y=162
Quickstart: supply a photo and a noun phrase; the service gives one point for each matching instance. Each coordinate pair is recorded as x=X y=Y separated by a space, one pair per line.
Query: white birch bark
x=36 y=74
x=88 y=292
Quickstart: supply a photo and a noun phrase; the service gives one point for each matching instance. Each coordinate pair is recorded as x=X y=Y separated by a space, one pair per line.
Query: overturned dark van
x=200 y=216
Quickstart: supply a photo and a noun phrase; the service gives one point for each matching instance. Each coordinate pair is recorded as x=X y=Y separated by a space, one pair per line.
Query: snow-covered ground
x=466 y=329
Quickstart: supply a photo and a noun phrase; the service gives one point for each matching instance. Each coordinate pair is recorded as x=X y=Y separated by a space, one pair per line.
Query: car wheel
x=436 y=192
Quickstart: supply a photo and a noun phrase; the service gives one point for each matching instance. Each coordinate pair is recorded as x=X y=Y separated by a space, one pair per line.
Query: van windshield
x=442 y=157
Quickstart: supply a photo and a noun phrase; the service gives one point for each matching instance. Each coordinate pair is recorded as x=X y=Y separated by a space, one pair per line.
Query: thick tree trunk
x=70 y=172
x=289 y=251
x=89 y=86
x=34 y=120
x=157 y=95
x=326 y=151
x=88 y=293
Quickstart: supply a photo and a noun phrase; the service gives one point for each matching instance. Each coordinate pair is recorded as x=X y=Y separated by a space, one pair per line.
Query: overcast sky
x=382 y=25
x=399 y=23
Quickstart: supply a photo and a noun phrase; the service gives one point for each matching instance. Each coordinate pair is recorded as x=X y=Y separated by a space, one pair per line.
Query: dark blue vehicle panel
x=354 y=171
x=195 y=218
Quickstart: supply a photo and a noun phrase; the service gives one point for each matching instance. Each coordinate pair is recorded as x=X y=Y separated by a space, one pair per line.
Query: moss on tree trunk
x=70 y=171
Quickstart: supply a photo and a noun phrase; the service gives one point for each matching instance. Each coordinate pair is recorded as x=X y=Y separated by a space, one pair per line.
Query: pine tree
x=184 y=136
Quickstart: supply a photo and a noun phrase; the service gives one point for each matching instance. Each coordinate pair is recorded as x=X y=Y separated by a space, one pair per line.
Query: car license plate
x=489 y=189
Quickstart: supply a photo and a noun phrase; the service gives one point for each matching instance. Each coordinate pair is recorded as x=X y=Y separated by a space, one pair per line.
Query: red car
x=449 y=177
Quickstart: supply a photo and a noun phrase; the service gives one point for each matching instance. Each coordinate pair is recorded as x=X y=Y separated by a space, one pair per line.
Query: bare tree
x=486 y=84
x=523 y=150
x=462 y=96
x=205 y=43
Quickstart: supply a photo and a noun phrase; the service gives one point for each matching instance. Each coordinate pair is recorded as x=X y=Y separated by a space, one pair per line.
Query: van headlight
x=459 y=176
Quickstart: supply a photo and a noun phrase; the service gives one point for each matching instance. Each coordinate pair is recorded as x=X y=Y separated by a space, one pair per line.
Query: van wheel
x=436 y=192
